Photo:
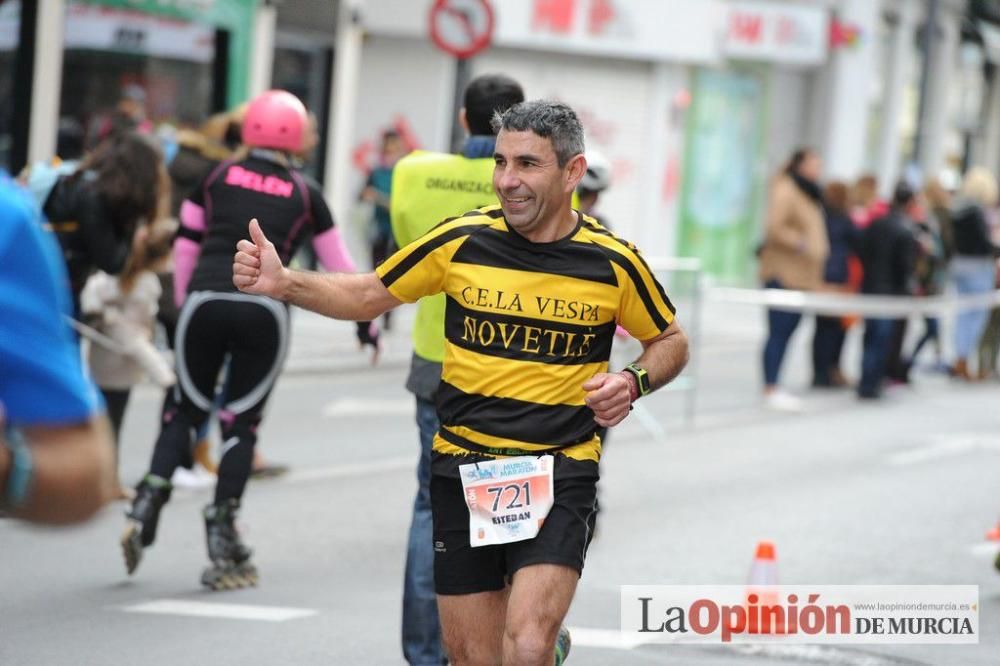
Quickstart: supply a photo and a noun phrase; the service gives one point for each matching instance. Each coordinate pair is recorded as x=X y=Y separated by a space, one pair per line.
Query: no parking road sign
x=462 y=28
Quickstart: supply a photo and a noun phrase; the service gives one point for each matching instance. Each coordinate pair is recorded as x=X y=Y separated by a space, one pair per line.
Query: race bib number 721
x=508 y=499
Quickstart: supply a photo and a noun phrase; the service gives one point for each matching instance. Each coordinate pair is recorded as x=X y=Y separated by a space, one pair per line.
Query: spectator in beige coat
x=123 y=310
x=792 y=256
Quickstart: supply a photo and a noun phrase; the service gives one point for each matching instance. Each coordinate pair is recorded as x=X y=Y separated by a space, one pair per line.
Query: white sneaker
x=780 y=401
x=197 y=478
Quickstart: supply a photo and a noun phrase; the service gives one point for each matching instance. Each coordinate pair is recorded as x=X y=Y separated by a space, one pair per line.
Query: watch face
x=641 y=377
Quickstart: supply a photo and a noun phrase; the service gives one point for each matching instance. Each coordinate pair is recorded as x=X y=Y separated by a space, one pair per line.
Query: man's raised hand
x=257 y=268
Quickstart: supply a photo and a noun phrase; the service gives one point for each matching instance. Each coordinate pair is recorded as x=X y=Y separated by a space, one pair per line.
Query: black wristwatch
x=641 y=378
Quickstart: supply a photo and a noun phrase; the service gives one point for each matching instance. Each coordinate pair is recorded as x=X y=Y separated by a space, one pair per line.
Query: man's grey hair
x=554 y=121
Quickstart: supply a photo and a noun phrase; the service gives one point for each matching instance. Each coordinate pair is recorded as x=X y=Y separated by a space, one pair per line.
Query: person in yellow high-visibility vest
x=428 y=187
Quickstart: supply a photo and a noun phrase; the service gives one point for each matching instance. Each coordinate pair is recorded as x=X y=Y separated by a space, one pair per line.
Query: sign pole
x=463 y=74
x=460 y=28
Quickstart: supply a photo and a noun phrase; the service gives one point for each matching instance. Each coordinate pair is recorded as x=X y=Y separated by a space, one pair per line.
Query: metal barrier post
x=694 y=342
x=688 y=380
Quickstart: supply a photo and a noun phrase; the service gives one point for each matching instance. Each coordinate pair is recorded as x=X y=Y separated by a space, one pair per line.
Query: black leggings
x=116 y=401
x=252 y=333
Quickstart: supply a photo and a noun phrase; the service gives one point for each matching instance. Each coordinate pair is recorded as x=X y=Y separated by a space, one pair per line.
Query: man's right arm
x=349 y=296
x=257 y=269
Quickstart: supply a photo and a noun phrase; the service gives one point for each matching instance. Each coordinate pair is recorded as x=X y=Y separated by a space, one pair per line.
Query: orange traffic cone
x=764 y=569
x=762 y=592
x=994 y=534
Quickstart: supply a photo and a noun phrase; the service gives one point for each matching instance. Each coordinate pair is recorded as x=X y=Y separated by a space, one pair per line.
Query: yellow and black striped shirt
x=526 y=324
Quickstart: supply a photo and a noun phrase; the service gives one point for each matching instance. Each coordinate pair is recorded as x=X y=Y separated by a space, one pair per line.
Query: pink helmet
x=275 y=119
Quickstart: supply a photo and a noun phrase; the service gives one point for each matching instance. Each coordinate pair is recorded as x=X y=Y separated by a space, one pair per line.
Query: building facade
x=68 y=61
x=695 y=103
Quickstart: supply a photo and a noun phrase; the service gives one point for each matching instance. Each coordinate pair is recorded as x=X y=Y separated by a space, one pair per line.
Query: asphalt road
x=894 y=493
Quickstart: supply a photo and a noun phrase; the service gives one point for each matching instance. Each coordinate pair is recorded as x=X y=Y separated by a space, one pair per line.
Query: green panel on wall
x=721 y=191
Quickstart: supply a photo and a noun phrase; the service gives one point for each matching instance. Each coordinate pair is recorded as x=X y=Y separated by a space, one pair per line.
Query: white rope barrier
x=836 y=304
x=95 y=336
x=691 y=264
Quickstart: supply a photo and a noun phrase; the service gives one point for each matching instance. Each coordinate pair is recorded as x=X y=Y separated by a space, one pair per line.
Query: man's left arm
x=665 y=356
x=610 y=395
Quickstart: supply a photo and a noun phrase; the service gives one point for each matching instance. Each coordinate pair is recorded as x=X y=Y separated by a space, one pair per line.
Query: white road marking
x=986 y=549
x=369 y=407
x=819 y=654
x=603 y=638
x=349 y=469
x=822 y=654
x=217 y=610
x=947 y=447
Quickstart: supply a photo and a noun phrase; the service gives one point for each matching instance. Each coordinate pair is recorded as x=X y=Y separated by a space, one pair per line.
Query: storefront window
x=304 y=70
x=968 y=91
x=909 y=118
x=880 y=90
x=123 y=65
x=10 y=27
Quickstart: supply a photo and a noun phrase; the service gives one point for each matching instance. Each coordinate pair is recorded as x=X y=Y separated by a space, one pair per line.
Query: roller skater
x=221 y=330
x=231 y=567
x=140 y=529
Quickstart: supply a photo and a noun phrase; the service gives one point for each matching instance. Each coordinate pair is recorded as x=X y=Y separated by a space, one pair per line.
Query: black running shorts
x=461 y=569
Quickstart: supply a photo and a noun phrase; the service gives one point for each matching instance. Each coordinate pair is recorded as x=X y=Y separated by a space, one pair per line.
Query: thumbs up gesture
x=257 y=268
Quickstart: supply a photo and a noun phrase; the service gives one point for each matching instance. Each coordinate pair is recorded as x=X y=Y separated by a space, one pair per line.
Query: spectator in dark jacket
x=887 y=254
x=939 y=211
x=96 y=210
x=199 y=151
x=933 y=238
x=828 y=340
x=973 y=265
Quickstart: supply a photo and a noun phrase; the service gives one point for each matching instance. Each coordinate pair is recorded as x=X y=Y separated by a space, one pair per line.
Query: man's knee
x=472 y=627
x=530 y=642
x=464 y=651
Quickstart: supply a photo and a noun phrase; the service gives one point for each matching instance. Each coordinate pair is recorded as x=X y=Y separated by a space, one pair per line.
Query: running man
x=534 y=291
x=217 y=323
x=427 y=188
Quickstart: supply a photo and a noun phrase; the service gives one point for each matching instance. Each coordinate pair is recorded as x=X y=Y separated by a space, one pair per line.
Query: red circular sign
x=462 y=28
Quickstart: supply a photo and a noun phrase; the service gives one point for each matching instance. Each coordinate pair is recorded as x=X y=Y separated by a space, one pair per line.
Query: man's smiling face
x=528 y=180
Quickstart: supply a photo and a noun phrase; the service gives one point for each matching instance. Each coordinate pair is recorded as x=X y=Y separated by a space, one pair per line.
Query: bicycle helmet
x=275 y=119
x=598 y=175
